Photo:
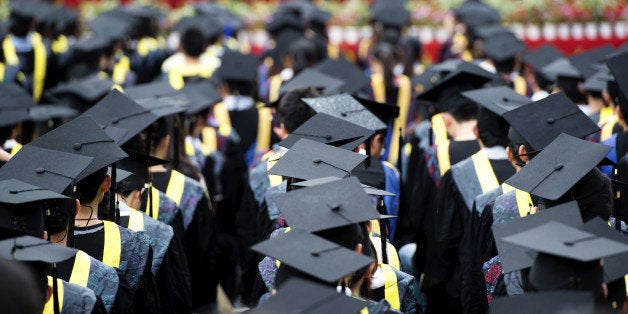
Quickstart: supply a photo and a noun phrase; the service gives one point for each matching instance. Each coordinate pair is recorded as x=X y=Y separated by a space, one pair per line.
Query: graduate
x=533 y=63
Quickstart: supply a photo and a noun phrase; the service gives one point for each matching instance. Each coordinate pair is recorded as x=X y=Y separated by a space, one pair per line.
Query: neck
x=192 y=60
x=355 y=290
x=159 y=153
x=463 y=131
x=595 y=105
x=60 y=238
x=158 y=168
x=87 y=214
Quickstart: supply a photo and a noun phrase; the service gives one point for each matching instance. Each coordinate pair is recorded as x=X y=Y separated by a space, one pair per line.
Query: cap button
x=550 y=121
x=77 y=146
x=558 y=167
x=13 y=192
x=315 y=254
x=115 y=120
x=317 y=161
x=40 y=170
x=505 y=99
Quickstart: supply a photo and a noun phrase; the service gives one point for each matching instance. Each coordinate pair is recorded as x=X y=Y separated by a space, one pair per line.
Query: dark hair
x=292 y=111
x=304 y=53
x=466 y=111
x=242 y=88
x=192 y=42
x=492 y=129
x=171 y=126
x=412 y=51
x=506 y=66
x=542 y=82
x=87 y=188
x=20 y=25
x=59 y=216
x=570 y=87
x=385 y=53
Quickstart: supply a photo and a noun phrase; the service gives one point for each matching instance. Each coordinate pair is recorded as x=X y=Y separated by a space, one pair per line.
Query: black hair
x=570 y=87
x=618 y=97
x=492 y=129
x=20 y=24
x=87 y=188
x=292 y=111
x=242 y=88
x=59 y=216
x=171 y=126
x=465 y=111
x=542 y=82
x=385 y=53
x=305 y=54
x=505 y=66
x=5 y=133
x=412 y=51
x=193 y=42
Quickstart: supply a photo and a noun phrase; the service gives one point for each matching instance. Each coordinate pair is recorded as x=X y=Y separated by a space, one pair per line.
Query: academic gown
x=200 y=232
x=126 y=250
x=73 y=299
x=454 y=199
x=170 y=267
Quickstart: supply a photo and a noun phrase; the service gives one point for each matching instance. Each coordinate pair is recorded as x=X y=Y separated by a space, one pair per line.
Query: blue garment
x=392 y=202
x=612 y=155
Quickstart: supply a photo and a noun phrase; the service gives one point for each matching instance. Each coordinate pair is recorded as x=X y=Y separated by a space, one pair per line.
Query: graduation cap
x=90 y=45
x=160 y=98
x=353 y=77
x=14 y=104
x=367 y=188
x=475 y=13
x=393 y=13
x=597 y=82
x=617 y=65
x=283 y=22
x=345 y=107
x=567 y=301
x=311 y=78
x=121 y=175
x=585 y=60
x=236 y=66
x=313 y=255
x=488 y=31
x=329 y=130
x=202 y=95
x=83 y=136
x=209 y=27
x=561 y=67
x=119 y=111
x=515 y=257
x=542 y=56
x=326 y=206
x=137 y=164
x=301 y=296
x=24 y=9
x=542 y=121
x=499 y=99
x=90 y=89
x=503 y=47
x=50 y=169
x=309 y=160
x=383 y=111
x=615 y=267
x=46 y=112
x=111 y=26
x=559 y=167
x=149 y=90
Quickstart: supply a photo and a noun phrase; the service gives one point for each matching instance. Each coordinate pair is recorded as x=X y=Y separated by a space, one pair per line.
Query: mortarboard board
x=111 y=26
x=487 y=31
x=514 y=257
x=545 y=302
x=309 y=160
x=149 y=90
x=393 y=13
x=541 y=57
x=367 y=188
x=313 y=255
x=47 y=112
x=559 y=167
x=90 y=45
x=137 y=164
x=311 y=78
x=236 y=66
x=617 y=65
x=13 y=191
x=597 y=82
x=121 y=175
x=283 y=22
x=202 y=95
x=475 y=13
x=503 y=47
x=561 y=67
x=499 y=99
x=14 y=104
x=83 y=136
x=384 y=112
x=50 y=169
x=585 y=60
x=301 y=296
x=90 y=89
x=160 y=98
x=32 y=249
x=345 y=107
x=118 y=110
x=329 y=130
x=326 y=206
x=353 y=77
x=615 y=267
x=542 y=121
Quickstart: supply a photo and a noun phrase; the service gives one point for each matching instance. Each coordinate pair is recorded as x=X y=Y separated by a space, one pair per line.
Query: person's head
x=92 y=188
x=466 y=111
x=303 y=54
x=382 y=61
x=519 y=151
x=192 y=42
x=21 y=24
x=292 y=112
x=572 y=87
x=33 y=291
x=492 y=130
x=412 y=50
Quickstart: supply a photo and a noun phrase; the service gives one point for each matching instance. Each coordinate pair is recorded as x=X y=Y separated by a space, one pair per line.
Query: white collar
x=495 y=152
x=125 y=210
x=238 y=103
x=377 y=279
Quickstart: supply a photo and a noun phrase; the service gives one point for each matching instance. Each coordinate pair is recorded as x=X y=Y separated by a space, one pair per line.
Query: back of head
x=465 y=111
x=31 y=292
x=304 y=53
x=292 y=111
x=193 y=42
x=492 y=129
x=87 y=189
x=571 y=88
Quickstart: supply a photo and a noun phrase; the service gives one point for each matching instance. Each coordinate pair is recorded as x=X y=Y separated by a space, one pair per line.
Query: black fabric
x=460 y=150
x=91 y=243
x=99 y=307
x=146 y=298
x=502 y=169
x=245 y=123
x=373 y=175
x=621 y=144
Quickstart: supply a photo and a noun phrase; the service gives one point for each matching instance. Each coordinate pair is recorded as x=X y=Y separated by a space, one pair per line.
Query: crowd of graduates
x=153 y=168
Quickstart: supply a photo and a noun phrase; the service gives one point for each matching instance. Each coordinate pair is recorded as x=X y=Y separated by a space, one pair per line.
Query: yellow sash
x=391 y=251
x=363 y=48
x=136 y=220
x=120 y=69
x=524 y=201
x=175 y=187
x=209 y=140
x=333 y=51
x=377 y=84
x=16 y=148
x=113 y=245
x=60 y=45
x=146 y=45
x=520 y=85
x=189 y=149
x=438 y=129
x=2 y=68
x=273 y=179
x=39 y=69
x=273 y=88
x=176 y=76
x=607 y=122
x=484 y=172
x=153 y=198
x=442 y=153
x=264 y=128
x=222 y=118
x=391 y=292
x=403 y=101
x=49 y=308
x=80 y=270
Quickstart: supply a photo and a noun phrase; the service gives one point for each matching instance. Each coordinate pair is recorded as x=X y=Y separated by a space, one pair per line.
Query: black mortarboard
x=282 y=23
x=345 y=107
x=13 y=191
x=202 y=96
x=545 y=302
x=32 y=249
x=542 y=121
x=326 y=206
x=310 y=160
x=236 y=66
x=121 y=175
x=92 y=45
x=514 y=257
x=499 y=99
x=329 y=130
x=585 y=60
x=475 y=13
x=50 y=169
x=47 y=112
x=393 y=13
x=149 y=90
x=488 y=31
x=367 y=188
x=83 y=136
x=111 y=26
x=119 y=111
x=298 y=296
x=209 y=27
x=137 y=164
x=559 y=166
x=597 y=82
x=14 y=104
x=615 y=267
x=384 y=112
x=561 y=67
x=312 y=78
x=90 y=89
x=618 y=64
x=313 y=255
x=159 y=97
x=353 y=77
x=503 y=47
x=541 y=57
